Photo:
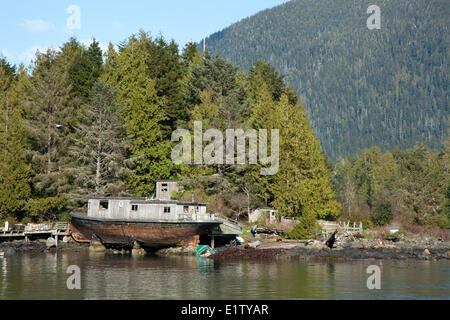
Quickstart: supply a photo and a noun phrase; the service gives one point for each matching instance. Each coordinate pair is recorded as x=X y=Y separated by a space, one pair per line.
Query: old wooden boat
x=150 y=223
x=149 y=234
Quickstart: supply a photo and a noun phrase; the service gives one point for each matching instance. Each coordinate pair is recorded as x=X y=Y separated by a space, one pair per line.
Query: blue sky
x=27 y=26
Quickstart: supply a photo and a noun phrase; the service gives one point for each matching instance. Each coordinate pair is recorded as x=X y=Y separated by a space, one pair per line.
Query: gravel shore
x=37 y=246
x=345 y=249
x=423 y=249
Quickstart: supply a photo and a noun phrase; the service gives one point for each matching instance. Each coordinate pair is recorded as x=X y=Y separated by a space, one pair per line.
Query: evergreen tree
x=144 y=115
x=226 y=86
x=361 y=88
x=421 y=186
x=374 y=172
x=262 y=72
x=14 y=171
x=48 y=120
x=166 y=68
x=110 y=66
x=345 y=186
x=100 y=147
x=264 y=116
x=303 y=184
x=207 y=111
x=84 y=70
x=191 y=55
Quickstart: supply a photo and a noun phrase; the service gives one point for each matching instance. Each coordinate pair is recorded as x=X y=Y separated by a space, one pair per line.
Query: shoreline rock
x=178 y=251
x=38 y=246
x=344 y=250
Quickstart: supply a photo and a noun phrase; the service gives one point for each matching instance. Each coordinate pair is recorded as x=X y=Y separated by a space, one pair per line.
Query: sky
x=27 y=26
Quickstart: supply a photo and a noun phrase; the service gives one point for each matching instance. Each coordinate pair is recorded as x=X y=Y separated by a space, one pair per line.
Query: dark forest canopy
x=77 y=124
x=360 y=87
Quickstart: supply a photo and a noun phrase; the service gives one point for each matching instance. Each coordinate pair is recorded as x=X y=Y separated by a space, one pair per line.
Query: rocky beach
x=38 y=246
x=420 y=248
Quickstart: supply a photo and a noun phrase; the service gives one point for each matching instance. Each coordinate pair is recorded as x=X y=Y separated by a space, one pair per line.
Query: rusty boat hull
x=152 y=235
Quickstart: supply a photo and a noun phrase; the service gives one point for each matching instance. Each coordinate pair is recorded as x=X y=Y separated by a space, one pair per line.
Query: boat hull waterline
x=150 y=234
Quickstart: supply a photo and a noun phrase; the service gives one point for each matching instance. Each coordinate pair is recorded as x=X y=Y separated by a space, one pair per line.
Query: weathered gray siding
x=150 y=209
x=164 y=189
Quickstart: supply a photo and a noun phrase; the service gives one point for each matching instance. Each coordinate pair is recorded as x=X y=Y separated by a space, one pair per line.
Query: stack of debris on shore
x=249 y=253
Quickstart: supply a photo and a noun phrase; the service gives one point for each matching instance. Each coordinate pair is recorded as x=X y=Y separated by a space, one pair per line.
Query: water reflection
x=205 y=265
x=104 y=276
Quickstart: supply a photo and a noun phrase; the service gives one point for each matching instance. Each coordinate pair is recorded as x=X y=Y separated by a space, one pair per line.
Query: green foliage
x=223 y=83
x=100 y=146
x=144 y=114
x=447 y=204
x=383 y=214
x=166 y=67
x=72 y=126
x=85 y=69
x=49 y=118
x=374 y=172
x=11 y=220
x=303 y=184
x=44 y=209
x=262 y=73
x=361 y=87
x=14 y=170
x=368 y=234
x=407 y=186
x=306 y=228
x=7 y=75
x=65 y=217
x=366 y=224
x=422 y=185
x=396 y=236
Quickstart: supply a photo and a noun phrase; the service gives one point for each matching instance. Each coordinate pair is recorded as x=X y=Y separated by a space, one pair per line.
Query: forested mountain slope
x=386 y=87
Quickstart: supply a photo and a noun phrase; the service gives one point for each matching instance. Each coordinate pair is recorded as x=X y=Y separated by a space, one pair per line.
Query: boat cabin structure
x=151 y=223
x=161 y=208
x=142 y=209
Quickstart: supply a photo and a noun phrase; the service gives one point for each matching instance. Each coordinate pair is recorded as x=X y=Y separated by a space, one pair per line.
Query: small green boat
x=205 y=251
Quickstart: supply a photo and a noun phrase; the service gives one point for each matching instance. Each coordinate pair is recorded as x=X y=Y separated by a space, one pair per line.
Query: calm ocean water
x=44 y=276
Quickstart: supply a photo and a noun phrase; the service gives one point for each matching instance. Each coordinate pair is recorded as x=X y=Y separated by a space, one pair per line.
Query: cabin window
x=104 y=204
x=164 y=187
x=186 y=209
x=166 y=209
x=134 y=207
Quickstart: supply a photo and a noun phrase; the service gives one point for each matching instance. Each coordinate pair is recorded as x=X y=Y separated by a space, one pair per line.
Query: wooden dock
x=54 y=230
x=344 y=228
x=228 y=227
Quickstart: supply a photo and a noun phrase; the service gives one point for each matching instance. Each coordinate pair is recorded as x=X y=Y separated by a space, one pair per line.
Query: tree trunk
x=98 y=172
x=99 y=155
x=6 y=127
x=248 y=204
x=49 y=159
